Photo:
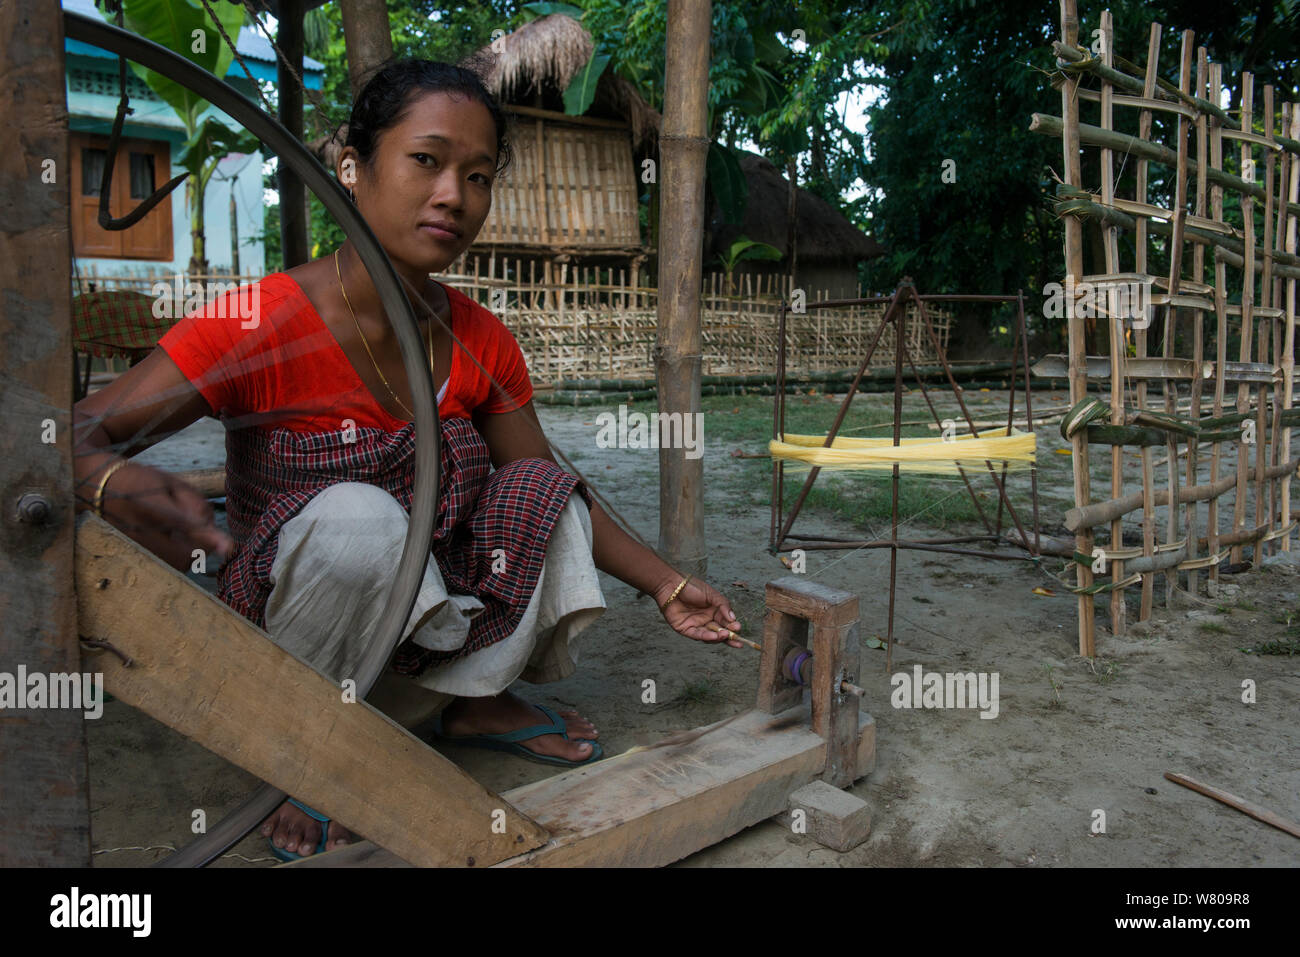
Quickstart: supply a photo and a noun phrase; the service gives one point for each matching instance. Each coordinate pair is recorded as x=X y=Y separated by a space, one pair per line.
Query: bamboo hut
x=828 y=247
x=572 y=194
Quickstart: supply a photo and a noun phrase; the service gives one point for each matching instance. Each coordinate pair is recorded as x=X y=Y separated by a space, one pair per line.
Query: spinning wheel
x=415 y=552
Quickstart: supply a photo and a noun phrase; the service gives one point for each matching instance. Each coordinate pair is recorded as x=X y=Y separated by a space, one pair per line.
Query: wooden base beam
x=648 y=808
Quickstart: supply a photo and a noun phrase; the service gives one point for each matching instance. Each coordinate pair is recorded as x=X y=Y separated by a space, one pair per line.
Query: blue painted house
x=152 y=138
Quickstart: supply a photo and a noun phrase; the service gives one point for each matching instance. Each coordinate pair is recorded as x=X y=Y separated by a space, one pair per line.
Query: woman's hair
x=386 y=96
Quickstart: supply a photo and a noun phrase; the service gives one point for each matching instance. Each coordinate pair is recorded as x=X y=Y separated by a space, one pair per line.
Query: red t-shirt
x=286 y=370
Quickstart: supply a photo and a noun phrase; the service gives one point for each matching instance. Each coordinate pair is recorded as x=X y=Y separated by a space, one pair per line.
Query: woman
x=319 y=454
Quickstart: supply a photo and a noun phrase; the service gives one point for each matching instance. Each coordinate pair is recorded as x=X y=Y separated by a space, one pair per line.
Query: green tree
x=963 y=89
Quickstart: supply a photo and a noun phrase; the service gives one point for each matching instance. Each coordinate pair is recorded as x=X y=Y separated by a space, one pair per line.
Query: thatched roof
x=551 y=48
x=542 y=57
x=822 y=233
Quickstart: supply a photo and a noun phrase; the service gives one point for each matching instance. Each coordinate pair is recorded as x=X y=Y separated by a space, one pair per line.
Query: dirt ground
x=1072 y=735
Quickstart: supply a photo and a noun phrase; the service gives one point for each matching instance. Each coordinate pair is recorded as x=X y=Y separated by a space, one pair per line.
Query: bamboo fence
x=588 y=322
x=1192 y=395
x=591 y=322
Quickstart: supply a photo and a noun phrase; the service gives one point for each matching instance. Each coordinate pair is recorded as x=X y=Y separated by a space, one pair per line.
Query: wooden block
x=834 y=818
x=208 y=673
x=652 y=807
x=780 y=632
x=657 y=806
x=834 y=712
x=866 y=756
x=797 y=596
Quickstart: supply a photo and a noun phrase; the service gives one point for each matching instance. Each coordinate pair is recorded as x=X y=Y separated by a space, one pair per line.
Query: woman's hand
x=699 y=611
x=163 y=514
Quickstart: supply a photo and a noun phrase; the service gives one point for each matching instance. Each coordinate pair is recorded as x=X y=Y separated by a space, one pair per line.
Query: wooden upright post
x=681 y=242
x=44 y=816
x=1078 y=345
x=294 y=242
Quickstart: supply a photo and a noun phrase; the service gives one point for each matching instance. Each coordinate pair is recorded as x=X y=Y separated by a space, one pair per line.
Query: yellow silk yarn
x=937 y=456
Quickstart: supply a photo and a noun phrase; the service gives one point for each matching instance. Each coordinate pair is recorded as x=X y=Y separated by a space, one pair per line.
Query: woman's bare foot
x=505 y=712
x=297 y=832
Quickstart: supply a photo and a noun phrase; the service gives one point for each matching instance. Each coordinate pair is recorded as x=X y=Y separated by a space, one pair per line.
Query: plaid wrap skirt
x=489 y=541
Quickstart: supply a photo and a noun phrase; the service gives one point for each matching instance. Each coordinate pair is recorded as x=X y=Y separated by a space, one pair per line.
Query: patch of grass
x=1246 y=606
x=748 y=418
x=1105 y=672
x=1056 y=688
x=926 y=500
x=1214 y=627
x=1286 y=646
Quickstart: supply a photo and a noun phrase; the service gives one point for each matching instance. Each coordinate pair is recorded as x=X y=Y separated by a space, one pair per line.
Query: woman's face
x=428 y=187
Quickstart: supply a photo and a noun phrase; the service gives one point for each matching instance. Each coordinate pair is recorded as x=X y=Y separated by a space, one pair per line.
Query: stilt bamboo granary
x=573 y=194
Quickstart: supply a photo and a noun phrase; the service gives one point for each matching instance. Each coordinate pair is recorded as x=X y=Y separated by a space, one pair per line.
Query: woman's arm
x=698 y=611
x=148 y=402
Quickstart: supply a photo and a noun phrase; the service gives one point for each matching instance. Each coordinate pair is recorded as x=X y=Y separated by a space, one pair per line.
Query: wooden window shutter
x=141 y=167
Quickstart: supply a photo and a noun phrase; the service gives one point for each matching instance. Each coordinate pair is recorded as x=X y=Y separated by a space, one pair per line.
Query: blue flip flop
x=510 y=740
x=284 y=855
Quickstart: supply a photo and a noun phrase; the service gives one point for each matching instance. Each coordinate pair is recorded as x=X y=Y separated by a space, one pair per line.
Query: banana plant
x=745 y=248
x=200 y=155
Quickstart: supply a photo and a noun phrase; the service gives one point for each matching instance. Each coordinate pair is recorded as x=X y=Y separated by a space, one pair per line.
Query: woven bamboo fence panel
x=581 y=325
x=567 y=187
x=585 y=323
x=1205 y=376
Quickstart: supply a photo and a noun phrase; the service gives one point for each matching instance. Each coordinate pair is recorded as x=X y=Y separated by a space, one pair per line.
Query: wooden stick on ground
x=1246 y=807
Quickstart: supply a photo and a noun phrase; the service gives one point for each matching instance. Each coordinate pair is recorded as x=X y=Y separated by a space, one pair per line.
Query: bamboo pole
x=681 y=239
x=1288 y=346
x=1077 y=340
x=1140 y=336
x=1099 y=513
x=1198 y=321
x=1247 y=308
x=1221 y=321
x=1115 y=331
x=1266 y=321
x=1170 y=388
x=1089 y=135
x=1276 y=300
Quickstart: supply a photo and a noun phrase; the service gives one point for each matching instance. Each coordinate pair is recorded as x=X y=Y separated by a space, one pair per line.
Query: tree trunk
x=677 y=351
x=198 y=241
x=369 y=39
x=293 y=194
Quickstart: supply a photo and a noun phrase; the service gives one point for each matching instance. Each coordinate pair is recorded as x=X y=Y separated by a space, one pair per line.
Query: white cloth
x=336 y=558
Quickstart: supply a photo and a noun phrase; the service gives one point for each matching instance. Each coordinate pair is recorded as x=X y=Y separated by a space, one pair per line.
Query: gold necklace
x=365 y=343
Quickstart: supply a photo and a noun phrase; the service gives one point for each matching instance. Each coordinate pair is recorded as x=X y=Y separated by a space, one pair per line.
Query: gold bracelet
x=99 y=492
x=676 y=591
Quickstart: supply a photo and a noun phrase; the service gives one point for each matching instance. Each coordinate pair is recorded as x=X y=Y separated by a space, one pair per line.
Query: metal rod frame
x=896 y=313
